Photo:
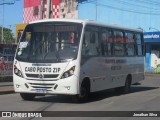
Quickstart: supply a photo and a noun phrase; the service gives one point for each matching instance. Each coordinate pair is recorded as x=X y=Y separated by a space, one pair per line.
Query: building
x=152 y=44
x=44 y=9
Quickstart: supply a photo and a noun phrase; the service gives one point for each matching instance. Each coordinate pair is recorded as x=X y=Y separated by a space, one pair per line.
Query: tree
x=7 y=34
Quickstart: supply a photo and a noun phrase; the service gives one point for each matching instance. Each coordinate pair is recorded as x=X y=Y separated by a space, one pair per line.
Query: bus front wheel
x=84 y=93
x=27 y=96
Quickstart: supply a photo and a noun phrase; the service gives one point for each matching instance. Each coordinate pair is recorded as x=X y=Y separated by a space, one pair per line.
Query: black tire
x=84 y=93
x=27 y=96
x=126 y=88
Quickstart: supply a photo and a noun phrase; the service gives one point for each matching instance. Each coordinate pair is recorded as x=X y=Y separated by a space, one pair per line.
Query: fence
x=7 y=52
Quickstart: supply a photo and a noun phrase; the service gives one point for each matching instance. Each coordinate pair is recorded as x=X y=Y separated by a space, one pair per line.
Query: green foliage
x=8 y=35
x=158 y=69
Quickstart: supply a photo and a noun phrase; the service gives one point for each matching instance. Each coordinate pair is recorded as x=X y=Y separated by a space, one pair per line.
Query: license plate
x=41 y=90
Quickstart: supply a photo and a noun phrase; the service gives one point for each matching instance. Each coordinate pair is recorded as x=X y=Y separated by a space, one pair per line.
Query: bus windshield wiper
x=28 y=58
x=56 y=53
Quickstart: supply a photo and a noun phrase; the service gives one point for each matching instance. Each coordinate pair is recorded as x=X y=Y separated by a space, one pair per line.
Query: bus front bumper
x=62 y=86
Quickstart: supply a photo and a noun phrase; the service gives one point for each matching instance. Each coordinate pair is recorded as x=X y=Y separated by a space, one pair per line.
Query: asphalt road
x=144 y=97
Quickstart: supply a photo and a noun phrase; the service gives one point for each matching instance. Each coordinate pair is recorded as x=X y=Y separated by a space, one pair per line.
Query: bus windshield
x=49 y=42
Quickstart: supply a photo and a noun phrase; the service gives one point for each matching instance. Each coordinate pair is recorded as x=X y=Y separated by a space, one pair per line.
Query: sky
x=13 y=14
x=122 y=12
x=143 y=14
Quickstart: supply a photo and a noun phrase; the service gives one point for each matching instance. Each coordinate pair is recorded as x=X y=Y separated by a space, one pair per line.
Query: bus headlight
x=17 y=72
x=68 y=73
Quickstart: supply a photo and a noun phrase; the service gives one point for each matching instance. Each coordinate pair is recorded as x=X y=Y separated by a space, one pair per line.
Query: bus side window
x=130 y=44
x=90 y=43
x=109 y=42
x=86 y=39
x=93 y=38
x=103 y=42
x=106 y=42
x=138 y=40
x=119 y=43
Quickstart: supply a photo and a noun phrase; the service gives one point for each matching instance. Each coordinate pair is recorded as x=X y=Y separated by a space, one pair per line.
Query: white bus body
x=76 y=57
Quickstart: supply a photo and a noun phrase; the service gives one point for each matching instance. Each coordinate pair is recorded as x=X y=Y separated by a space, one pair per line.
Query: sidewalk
x=152 y=75
x=6 y=88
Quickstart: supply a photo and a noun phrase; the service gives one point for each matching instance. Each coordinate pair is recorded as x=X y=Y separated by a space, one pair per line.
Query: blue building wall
x=151 y=39
x=131 y=13
x=148 y=56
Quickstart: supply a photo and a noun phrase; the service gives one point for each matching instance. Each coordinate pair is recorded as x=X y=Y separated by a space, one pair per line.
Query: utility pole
x=2 y=21
x=42 y=10
x=49 y=9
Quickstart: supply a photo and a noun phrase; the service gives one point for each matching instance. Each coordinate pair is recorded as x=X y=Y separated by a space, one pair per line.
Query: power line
x=129 y=8
x=145 y=6
x=8 y=2
x=149 y=2
x=84 y=2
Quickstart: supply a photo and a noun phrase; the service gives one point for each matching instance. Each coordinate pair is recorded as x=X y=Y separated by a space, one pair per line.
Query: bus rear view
x=46 y=59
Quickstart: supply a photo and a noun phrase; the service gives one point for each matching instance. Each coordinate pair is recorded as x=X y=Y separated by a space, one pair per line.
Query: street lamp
x=141 y=29
x=153 y=28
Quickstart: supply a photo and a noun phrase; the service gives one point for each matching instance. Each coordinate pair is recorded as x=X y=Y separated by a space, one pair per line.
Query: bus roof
x=89 y=22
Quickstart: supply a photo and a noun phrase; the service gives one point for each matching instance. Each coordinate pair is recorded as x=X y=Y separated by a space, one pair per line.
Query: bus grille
x=48 y=87
x=44 y=75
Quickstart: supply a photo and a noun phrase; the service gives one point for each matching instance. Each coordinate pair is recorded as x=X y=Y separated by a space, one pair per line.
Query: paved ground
x=144 y=97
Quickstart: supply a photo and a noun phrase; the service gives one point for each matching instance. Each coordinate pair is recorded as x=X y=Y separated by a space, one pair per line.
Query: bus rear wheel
x=27 y=96
x=126 y=88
